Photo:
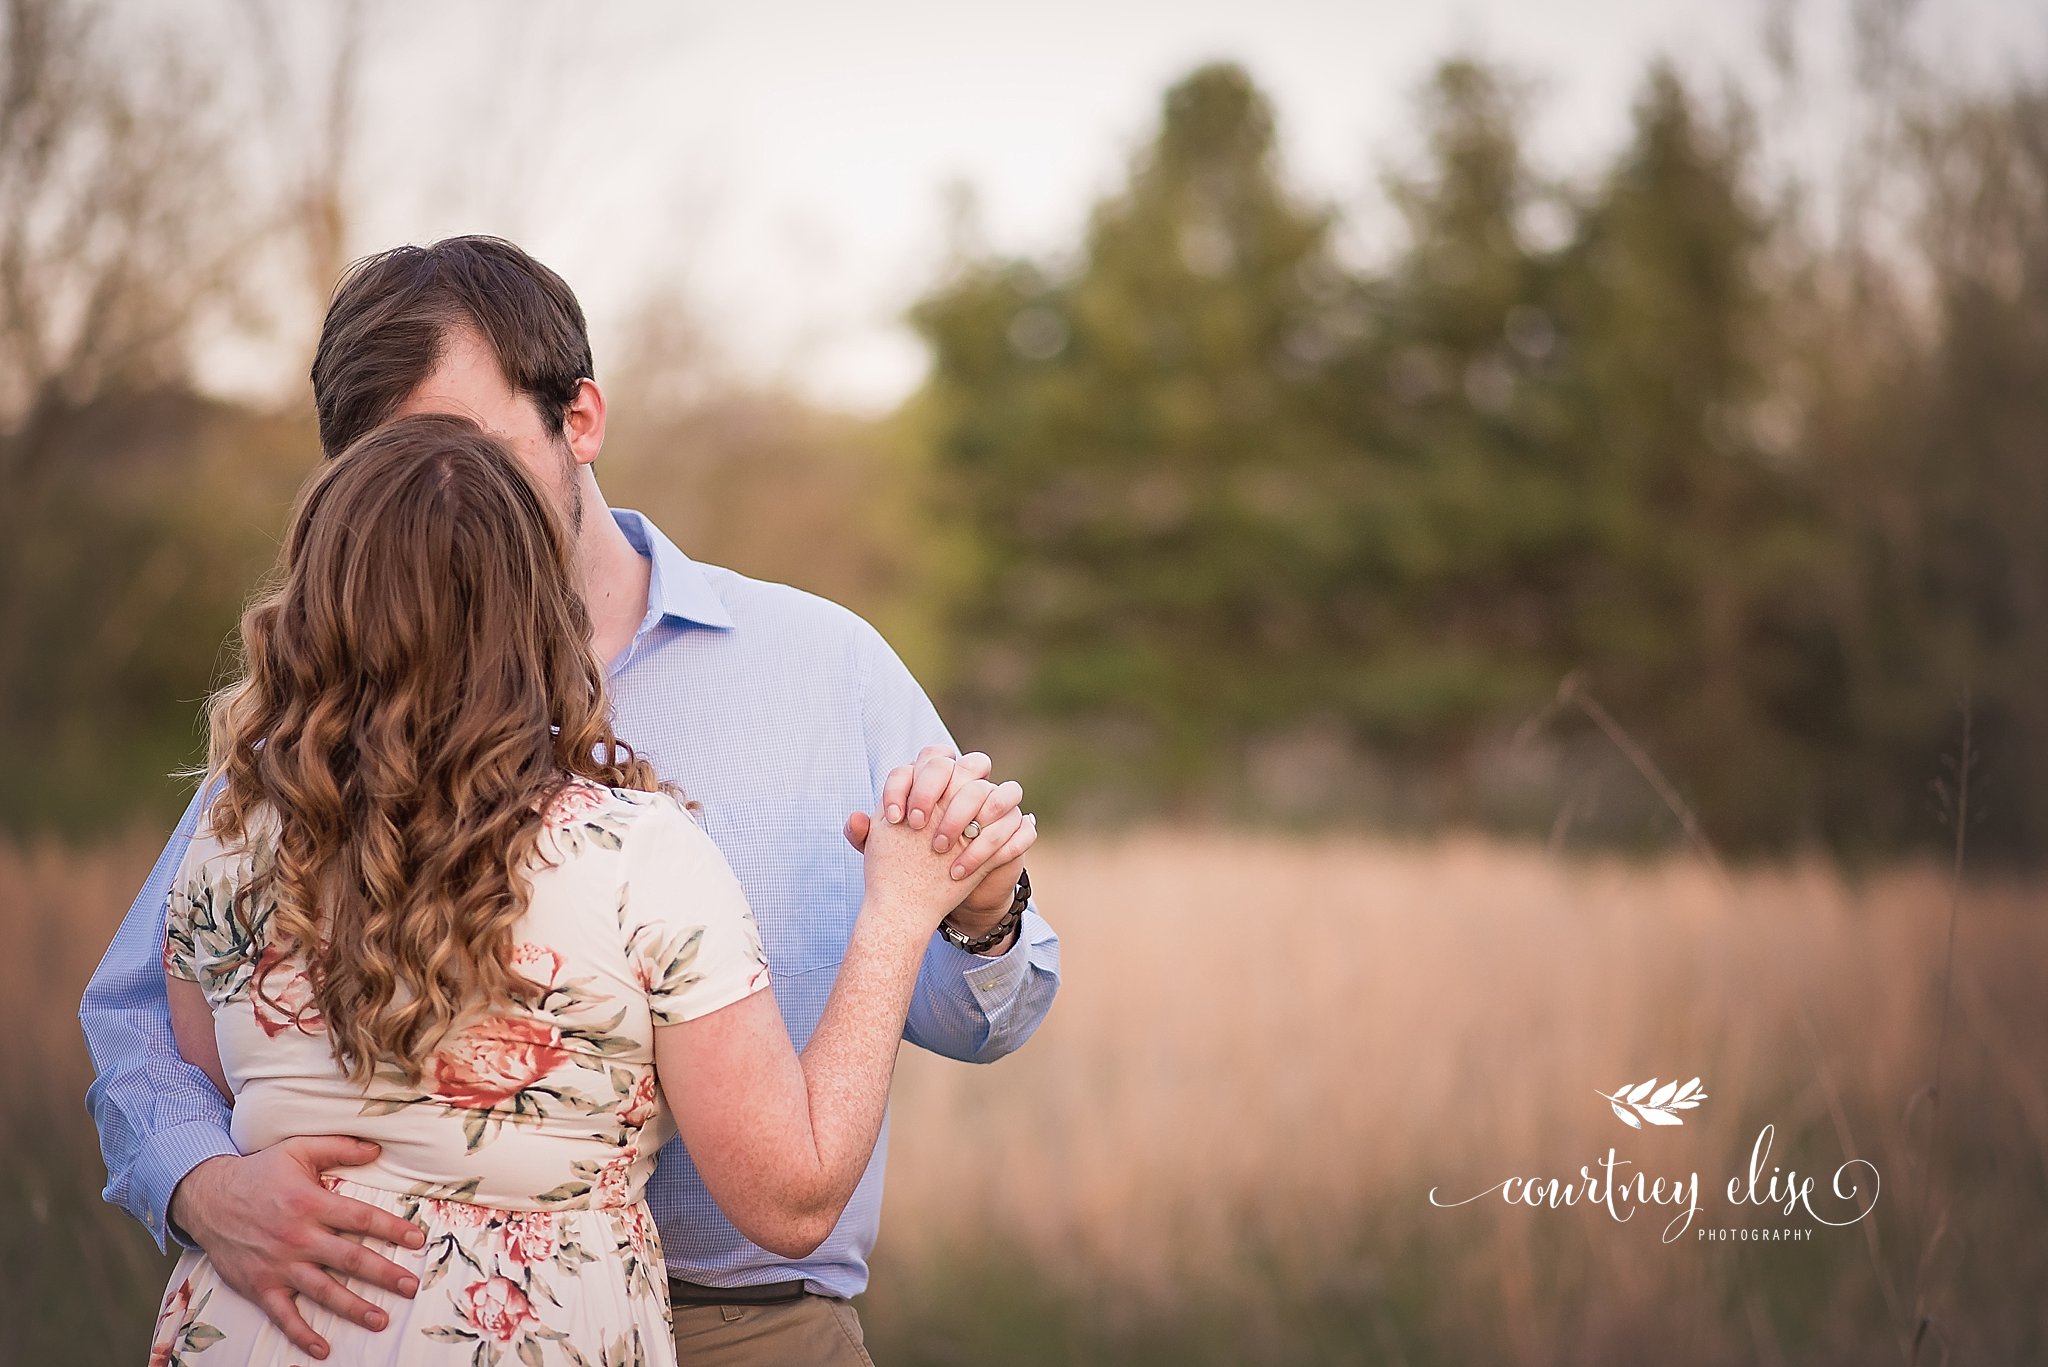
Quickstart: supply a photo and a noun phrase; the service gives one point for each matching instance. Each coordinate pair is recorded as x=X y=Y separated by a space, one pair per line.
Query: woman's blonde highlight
x=416 y=685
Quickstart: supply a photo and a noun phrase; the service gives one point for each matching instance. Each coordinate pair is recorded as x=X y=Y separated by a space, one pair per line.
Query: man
x=777 y=710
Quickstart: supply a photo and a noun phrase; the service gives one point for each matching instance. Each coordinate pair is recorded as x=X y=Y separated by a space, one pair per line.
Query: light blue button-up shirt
x=781 y=713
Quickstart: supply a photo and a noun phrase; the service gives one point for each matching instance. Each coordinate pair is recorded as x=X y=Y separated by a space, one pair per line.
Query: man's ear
x=583 y=422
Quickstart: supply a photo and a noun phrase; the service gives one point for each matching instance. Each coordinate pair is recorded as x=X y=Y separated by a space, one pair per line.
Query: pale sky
x=783 y=159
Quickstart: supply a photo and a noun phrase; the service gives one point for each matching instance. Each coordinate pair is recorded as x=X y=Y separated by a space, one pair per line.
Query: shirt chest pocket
x=802 y=880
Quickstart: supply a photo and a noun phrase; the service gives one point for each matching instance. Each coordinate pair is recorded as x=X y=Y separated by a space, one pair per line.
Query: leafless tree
x=120 y=234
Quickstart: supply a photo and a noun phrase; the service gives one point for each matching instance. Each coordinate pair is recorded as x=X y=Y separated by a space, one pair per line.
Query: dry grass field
x=1266 y=1053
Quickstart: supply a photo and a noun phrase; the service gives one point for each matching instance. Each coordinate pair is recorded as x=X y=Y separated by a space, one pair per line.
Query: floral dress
x=524 y=1150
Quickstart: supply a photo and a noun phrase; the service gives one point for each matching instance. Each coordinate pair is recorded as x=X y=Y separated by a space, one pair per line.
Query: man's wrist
x=1004 y=945
x=168 y=1158
x=997 y=948
x=991 y=938
x=181 y=1229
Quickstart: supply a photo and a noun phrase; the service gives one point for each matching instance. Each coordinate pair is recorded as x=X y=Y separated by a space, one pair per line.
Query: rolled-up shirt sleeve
x=965 y=1006
x=978 y=1009
x=158 y=1116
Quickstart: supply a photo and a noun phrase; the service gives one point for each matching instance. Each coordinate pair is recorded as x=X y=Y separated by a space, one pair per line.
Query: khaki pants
x=815 y=1331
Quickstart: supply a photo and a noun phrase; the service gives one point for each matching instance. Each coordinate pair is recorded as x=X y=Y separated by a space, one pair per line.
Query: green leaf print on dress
x=180 y=1334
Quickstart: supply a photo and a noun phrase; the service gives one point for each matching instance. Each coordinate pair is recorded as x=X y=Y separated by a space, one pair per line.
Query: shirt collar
x=676 y=586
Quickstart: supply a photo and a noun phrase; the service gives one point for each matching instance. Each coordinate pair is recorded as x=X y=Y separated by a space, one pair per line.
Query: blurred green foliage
x=1207 y=516
x=141 y=522
x=1231 y=497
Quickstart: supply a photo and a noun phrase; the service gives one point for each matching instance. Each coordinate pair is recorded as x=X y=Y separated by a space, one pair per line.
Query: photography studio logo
x=1622 y=1186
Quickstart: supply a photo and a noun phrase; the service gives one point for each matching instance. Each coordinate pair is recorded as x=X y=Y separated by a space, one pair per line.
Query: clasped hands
x=943 y=792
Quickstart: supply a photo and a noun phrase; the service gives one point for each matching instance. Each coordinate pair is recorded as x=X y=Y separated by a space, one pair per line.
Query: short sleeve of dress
x=188 y=905
x=178 y=935
x=691 y=939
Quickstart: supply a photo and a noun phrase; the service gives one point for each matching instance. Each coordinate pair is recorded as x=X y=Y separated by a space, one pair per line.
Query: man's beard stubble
x=572 y=490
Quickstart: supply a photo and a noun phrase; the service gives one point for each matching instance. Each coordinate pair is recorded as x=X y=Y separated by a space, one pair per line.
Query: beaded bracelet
x=1001 y=930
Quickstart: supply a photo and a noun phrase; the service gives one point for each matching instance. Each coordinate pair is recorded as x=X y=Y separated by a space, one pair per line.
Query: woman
x=438 y=905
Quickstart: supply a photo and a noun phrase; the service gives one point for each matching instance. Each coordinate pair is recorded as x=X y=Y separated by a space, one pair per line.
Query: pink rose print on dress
x=640 y=1230
x=537 y=962
x=572 y=804
x=640 y=1105
x=458 y=1214
x=498 y=1308
x=614 y=1180
x=282 y=996
x=530 y=1238
x=495 y=1060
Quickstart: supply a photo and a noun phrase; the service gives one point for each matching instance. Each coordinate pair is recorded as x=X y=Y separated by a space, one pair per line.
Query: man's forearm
x=158 y=1116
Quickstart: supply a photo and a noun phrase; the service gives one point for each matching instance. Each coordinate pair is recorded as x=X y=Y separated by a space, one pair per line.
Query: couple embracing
x=452 y=1026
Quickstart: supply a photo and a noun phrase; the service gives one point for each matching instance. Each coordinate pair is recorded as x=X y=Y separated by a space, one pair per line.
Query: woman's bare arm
x=782 y=1141
x=192 y=1027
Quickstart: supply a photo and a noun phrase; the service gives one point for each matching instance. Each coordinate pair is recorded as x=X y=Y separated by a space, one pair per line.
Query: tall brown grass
x=78 y=1279
x=1266 y=1052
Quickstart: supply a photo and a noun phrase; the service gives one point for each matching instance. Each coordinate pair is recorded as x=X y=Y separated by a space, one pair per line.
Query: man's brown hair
x=387 y=328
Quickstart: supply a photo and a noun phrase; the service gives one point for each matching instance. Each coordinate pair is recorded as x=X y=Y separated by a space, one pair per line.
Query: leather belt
x=681 y=1292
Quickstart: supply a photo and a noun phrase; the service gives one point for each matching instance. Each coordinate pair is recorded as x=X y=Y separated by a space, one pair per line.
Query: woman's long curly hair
x=417 y=685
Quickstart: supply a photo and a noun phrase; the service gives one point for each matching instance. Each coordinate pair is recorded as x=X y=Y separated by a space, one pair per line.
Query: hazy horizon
x=783 y=166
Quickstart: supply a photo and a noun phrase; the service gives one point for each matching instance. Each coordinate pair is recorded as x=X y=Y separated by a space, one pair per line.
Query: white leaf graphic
x=1648 y=1103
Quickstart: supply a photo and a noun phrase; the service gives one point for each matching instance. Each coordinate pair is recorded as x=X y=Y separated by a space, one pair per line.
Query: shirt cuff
x=163 y=1163
x=994 y=983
